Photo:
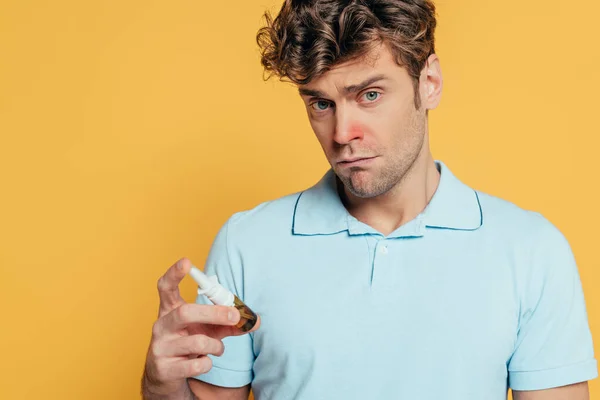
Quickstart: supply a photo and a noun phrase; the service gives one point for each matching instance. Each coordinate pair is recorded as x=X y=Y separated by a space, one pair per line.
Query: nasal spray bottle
x=217 y=294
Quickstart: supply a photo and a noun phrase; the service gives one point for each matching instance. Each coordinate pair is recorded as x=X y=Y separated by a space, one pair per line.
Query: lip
x=355 y=162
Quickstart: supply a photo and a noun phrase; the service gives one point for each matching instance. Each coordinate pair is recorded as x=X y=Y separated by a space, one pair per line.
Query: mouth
x=357 y=161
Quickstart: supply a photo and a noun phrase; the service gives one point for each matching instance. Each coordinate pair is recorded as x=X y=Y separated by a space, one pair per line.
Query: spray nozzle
x=211 y=288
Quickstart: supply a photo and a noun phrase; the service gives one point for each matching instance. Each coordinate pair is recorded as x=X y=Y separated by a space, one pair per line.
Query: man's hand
x=182 y=337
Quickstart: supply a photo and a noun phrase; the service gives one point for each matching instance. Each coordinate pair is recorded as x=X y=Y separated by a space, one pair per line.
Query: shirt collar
x=454 y=205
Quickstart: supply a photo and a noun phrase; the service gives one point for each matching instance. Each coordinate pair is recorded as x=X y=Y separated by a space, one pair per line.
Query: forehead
x=378 y=60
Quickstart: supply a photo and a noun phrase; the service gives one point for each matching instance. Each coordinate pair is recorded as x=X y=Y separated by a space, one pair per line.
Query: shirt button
x=383 y=249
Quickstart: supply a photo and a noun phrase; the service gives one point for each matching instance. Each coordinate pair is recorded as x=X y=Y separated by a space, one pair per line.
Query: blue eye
x=321 y=105
x=372 y=96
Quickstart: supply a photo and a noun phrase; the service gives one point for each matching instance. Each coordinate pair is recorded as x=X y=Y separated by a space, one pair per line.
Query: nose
x=347 y=127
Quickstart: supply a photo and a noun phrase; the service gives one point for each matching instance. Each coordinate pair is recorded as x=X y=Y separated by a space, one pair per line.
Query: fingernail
x=231 y=316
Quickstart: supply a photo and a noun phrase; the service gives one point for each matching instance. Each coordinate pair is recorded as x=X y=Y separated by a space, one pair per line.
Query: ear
x=431 y=83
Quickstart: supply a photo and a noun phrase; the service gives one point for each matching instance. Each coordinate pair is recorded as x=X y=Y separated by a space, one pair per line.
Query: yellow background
x=131 y=130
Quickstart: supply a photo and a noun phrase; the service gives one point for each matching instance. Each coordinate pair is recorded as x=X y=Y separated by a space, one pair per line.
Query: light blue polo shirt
x=471 y=297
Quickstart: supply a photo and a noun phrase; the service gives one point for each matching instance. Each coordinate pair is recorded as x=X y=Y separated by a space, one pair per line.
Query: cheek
x=374 y=130
x=323 y=130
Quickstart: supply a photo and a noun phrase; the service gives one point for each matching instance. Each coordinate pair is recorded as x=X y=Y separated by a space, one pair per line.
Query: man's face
x=363 y=114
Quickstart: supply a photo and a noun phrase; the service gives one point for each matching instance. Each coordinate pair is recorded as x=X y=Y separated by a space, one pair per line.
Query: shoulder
x=273 y=216
x=532 y=240
x=508 y=218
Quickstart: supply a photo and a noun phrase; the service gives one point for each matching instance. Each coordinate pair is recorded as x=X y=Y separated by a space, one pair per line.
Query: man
x=389 y=279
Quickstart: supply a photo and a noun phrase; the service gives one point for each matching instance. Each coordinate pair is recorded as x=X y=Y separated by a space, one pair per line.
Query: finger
x=190 y=314
x=168 y=285
x=183 y=368
x=189 y=345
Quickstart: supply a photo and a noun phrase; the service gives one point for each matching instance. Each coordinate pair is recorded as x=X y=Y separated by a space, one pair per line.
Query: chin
x=363 y=186
x=365 y=192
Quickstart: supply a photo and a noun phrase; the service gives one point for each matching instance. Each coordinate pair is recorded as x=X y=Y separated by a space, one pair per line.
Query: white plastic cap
x=211 y=288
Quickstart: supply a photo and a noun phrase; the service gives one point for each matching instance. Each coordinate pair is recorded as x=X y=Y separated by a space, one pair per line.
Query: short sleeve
x=554 y=344
x=234 y=367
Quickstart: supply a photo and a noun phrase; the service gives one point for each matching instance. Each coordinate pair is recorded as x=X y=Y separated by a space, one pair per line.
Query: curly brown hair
x=309 y=37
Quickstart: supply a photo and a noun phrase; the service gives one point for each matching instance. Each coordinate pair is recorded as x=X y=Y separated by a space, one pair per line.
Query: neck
x=402 y=203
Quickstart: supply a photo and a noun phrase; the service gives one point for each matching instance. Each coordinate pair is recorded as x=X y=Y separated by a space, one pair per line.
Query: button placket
x=381 y=264
x=383 y=249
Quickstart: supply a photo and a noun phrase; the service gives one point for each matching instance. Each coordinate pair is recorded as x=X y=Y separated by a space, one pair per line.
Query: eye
x=371 y=96
x=320 y=105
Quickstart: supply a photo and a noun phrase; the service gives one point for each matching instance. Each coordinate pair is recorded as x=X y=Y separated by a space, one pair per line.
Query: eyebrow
x=348 y=89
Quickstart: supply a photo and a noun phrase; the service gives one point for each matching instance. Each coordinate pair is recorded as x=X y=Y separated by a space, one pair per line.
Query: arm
x=578 y=391
x=206 y=391
x=554 y=347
